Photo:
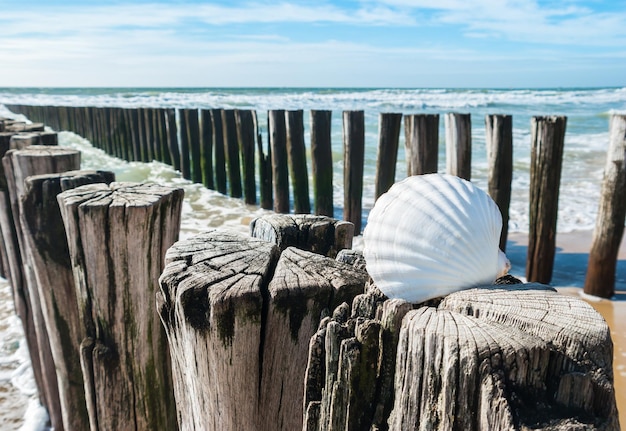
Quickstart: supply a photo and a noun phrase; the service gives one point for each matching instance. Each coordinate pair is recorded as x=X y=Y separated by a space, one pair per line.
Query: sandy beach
x=570 y=266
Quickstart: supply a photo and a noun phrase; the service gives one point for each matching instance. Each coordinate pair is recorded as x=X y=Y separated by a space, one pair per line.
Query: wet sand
x=570 y=266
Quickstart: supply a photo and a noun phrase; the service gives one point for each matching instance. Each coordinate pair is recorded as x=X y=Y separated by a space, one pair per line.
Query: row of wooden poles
x=217 y=147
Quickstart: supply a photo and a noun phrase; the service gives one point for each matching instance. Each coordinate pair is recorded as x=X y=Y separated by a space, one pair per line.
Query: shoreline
x=570 y=267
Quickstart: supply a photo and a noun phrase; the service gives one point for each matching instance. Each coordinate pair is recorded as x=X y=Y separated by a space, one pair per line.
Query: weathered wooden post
x=296 y=156
x=265 y=168
x=172 y=138
x=546 y=159
x=46 y=250
x=278 y=147
x=496 y=357
x=246 y=137
x=231 y=152
x=499 y=143
x=193 y=137
x=185 y=163
x=353 y=159
x=117 y=236
x=218 y=145
x=18 y=165
x=322 y=162
x=421 y=132
x=459 y=145
x=388 y=137
x=206 y=148
x=237 y=311
x=600 y=279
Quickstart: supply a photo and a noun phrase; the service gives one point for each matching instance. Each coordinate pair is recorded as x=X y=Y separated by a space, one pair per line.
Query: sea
x=588 y=111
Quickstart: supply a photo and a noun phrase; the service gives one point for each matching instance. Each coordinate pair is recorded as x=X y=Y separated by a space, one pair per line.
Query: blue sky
x=323 y=43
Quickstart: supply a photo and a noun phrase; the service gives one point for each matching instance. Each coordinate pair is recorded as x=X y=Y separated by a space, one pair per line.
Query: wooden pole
x=389 y=364
x=280 y=172
x=246 y=137
x=265 y=168
x=117 y=236
x=353 y=159
x=18 y=165
x=609 y=230
x=499 y=143
x=322 y=162
x=421 y=133
x=218 y=146
x=172 y=138
x=231 y=152
x=206 y=148
x=193 y=131
x=296 y=156
x=546 y=159
x=46 y=249
x=389 y=125
x=185 y=163
x=459 y=145
x=166 y=156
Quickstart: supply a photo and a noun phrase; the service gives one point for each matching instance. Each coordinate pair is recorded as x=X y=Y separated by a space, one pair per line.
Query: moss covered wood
x=47 y=251
x=117 y=237
x=18 y=165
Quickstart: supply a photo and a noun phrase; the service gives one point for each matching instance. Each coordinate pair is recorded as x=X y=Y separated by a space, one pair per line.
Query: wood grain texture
x=117 y=236
x=47 y=251
x=319 y=234
x=458 y=145
x=421 y=142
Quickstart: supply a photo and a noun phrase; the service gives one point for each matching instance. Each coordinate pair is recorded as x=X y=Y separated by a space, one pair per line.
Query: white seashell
x=431 y=235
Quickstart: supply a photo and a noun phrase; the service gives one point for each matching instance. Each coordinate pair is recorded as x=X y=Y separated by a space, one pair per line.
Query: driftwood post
x=388 y=137
x=206 y=148
x=421 y=132
x=235 y=324
x=459 y=145
x=265 y=168
x=46 y=250
x=218 y=147
x=117 y=237
x=18 y=165
x=497 y=357
x=322 y=162
x=231 y=152
x=245 y=136
x=499 y=142
x=353 y=160
x=278 y=148
x=546 y=159
x=296 y=155
x=600 y=279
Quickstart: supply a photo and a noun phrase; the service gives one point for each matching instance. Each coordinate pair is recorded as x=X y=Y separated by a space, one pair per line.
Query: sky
x=322 y=43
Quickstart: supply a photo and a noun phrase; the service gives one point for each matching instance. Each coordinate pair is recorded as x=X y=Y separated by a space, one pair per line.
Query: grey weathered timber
x=304 y=287
x=23 y=140
x=117 y=237
x=239 y=316
x=246 y=134
x=193 y=135
x=389 y=125
x=206 y=148
x=353 y=160
x=499 y=143
x=421 y=141
x=296 y=156
x=280 y=172
x=546 y=160
x=322 y=162
x=218 y=146
x=609 y=230
x=19 y=165
x=319 y=234
x=497 y=357
x=265 y=168
x=46 y=250
x=459 y=145
x=185 y=162
x=172 y=138
x=211 y=305
x=231 y=152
